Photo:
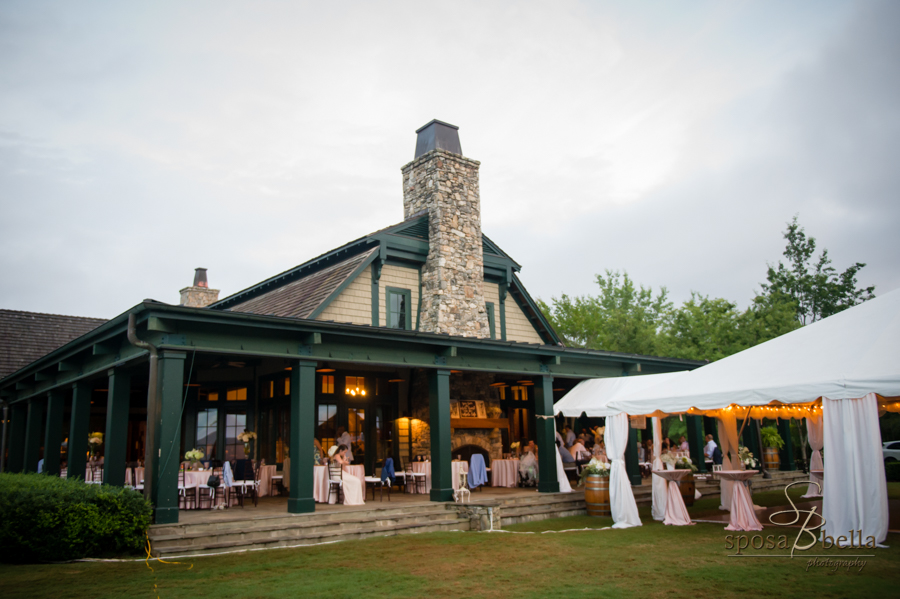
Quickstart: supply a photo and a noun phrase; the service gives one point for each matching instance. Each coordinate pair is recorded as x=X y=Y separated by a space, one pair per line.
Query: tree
x=621 y=318
x=816 y=287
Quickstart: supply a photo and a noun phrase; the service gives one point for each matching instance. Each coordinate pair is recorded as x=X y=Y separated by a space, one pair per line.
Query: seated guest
x=528 y=463
x=578 y=447
x=642 y=452
x=588 y=437
x=600 y=452
x=565 y=454
x=666 y=444
x=710 y=447
x=683 y=444
x=569 y=435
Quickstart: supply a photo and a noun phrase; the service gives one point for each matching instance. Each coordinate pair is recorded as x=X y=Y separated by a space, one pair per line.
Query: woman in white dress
x=352 y=485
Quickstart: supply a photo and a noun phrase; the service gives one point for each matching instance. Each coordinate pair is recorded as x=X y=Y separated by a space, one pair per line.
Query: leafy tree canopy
x=816 y=288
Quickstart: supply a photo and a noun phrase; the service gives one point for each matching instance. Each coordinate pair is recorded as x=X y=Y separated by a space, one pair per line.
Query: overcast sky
x=670 y=139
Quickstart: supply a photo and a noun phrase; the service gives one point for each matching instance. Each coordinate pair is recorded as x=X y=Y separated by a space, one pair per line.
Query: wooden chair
x=462 y=493
x=137 y=485
x=335 y=481
x=415 y=481
x=210 y=494
x=374 y=482
x=187 y=496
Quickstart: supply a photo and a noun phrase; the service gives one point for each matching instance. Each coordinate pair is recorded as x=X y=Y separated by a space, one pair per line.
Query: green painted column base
x=550 y=486
x=166 y=515
x=305 y=505
x=441 y=494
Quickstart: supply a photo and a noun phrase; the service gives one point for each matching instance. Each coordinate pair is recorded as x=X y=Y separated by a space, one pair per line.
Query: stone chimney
x=198 y=295
x=444 y=183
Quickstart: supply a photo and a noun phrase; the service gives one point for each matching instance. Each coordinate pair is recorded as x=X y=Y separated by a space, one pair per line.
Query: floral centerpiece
x=245 y=438
x=684 y=463
x=594 y=467
x=95 y=440
x=746 y=457
x=194 y=456
x=668 y=458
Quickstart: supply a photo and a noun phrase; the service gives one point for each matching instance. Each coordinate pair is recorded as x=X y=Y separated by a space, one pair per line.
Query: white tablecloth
x=504 y=473
x=265 y=479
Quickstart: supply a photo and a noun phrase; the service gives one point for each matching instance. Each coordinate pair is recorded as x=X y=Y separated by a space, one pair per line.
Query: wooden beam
x=155 y=323
x=106 y=348
x=40 y=376
x=479 y=423
x=68 y=366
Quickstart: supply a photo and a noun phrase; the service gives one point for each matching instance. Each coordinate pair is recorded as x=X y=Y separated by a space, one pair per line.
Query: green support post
x=79 y=425
x=631 y=458
x=439 y=414
x=171 y=387
x=786 y=452
x=695 y=441
x=548 y=481
x=33 y=434
x=18 y=416
x=53 y=432
x=118 y=402
x=303 y=422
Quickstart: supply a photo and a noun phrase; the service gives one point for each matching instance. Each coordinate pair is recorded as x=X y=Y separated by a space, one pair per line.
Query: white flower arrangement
x=194 y=455
x=246 y=436
x=684 y=463
x=746 y=457
x=668 y=458
x=515 y=445
x=595 y=467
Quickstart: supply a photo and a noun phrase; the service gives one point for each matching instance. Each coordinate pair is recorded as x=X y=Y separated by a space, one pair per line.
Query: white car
x=891 y=451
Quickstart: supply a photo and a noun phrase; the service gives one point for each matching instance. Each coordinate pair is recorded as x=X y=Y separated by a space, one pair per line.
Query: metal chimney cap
x=437 y=135
x=200 y=278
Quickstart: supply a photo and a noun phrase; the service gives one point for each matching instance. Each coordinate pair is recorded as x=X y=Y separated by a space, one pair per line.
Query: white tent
x=849 y=362
x=592 y=396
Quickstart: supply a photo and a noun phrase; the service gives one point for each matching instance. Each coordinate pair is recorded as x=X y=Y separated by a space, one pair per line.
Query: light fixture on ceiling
x=324 y=369
x=395 y=380
x=499 y=384
x=354 y=391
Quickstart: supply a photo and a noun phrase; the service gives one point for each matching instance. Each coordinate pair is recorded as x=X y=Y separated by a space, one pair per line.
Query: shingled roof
x=26 y=336
x=301 y=297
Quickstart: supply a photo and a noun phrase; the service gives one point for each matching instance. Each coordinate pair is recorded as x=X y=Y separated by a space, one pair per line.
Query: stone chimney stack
x=444 y=183
x=199 y=295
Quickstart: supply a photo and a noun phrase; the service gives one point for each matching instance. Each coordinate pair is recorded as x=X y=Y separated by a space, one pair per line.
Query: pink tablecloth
x=504 y=473
x=265 y=479
x=320 y=481
x=676 y=512
x=138 y=474
x=455 y=468
x=742 y=515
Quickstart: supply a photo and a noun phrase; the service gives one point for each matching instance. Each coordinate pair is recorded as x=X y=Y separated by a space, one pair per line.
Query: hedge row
x=46 y=518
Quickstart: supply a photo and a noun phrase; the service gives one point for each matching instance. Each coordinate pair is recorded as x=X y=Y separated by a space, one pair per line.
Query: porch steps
x=302 y=529
x=541 y=506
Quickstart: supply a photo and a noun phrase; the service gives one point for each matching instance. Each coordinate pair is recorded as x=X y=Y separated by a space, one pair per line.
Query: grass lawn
x=650 y=561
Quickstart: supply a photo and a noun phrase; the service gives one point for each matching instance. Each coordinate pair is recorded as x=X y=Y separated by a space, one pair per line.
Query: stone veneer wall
x=198 y=297
x=446 y=186
x=462 y=386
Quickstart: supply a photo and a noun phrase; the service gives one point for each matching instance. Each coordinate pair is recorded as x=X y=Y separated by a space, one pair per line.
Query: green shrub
x=770 y=437
x=45 y=518
x=892 y=471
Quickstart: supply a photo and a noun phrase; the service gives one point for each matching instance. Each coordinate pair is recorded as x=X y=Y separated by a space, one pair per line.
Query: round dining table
x=742 y=515
x=320 y=481
x=676 y=511
x=505 y=473
x=456 y=466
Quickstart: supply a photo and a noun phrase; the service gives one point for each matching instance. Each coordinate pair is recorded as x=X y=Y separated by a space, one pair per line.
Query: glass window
x=207 y=395
x=282 y=433
x=490 y=317
x=398 y=309
x=235 y=424
x=236 y=394
x=356 y=424
x=287 y=386
x=207 y=432
x=327 y=383
x=326 y=425
x=355 y=386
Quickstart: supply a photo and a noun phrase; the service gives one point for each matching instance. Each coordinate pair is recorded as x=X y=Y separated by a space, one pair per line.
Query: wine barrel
x=771 y=458
x=687 y=487
x=596 y=495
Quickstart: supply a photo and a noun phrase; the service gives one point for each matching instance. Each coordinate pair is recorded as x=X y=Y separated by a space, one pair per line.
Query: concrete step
x=261 y=533
x=286 y=539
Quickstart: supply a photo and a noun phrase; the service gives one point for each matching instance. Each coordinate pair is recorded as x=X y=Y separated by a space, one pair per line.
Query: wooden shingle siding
x=354 y=304
x=518 y=327
x=402 y=278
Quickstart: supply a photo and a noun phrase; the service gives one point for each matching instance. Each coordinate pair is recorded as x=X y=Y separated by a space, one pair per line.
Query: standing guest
x=559 y=439
x=318 y=452
x=642 y=452
x=528 y=463
x=710 y=448
x=683 y=444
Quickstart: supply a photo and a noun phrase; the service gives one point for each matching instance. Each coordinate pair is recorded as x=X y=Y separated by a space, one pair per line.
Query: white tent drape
x=564 y=486
x=814 y=430
x=855 y=496
x=728 y=438
x=659 y=483
x=621 y=499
